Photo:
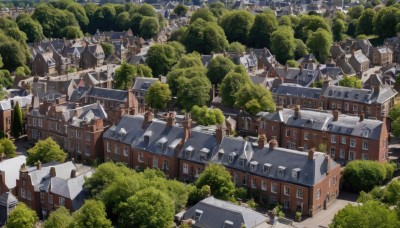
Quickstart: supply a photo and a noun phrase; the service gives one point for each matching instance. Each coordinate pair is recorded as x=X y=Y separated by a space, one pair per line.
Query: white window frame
x=274 y=187
x=353 y=143
x=299 y=193
x=61 y=201
x=318 y=193
x=365 y=145
x=343 y=140
x=126 y=151
x=140 y=157
x=34 y=121
x=50 y=198
x=185 y=168
x=351 y=155
x=286 y=190
x=342 y=153
x=306 y=135
x=108 y=147
x=264 y=185
x=253 y=183
x=333 y=139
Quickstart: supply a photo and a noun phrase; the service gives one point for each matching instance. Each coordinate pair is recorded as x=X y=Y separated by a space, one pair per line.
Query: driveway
x=323 y=218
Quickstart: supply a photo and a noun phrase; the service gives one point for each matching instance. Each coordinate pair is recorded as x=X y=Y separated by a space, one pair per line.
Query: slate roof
x=233 y=146
x=297 y=91
x=111 y=94
x=360 y=57
x=22 y=101
x=143 y=84
x=128 y=131
x=78 y=93
x=11 y=168
x=215 y=213
x=367 y=96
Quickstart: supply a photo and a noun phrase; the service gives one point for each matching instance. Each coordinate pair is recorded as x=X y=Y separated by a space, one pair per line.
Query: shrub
x=364 y=175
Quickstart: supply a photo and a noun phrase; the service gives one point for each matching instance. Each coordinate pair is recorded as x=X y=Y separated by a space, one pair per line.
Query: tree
x=149 y=27
x=292 y=63
x=207 y=116
x=260 y=33
x=395 y=125
x=32 y=29
x=143 y=71
x=204 y=37
x=91 y=215
x=236 y=47
x=60 y=218
x=124 y=76
x=45 y=151
x=108 y=48
x=190 y=60
x=301 y=49
x=364 y=175
x=365 y=22
x=232 y=82
x=181 y=10
x=22 y=217
x=283 y=44
x=356 y=11
x=158 y=95
x=220 y=181
x=285 y=21
x=320 y=43
x=193 y=91
x=104 y=18
x=370 y=214
x=178 y=34
x=203 y=13
x=338 y=29
x=309 y=24
x=17 y=121
x=147 y=208
x=174 y=77
x=394 y=112
x=7 y=147
x=79 y=12
x=237 y=25
x=123 y=20
x=254 y=98
x=218 y=68
x=13 y=53
x=72 y=32
x=391 y=195
x=351 y=28
x=147 y=10
x=351 y=82
x=386 y=21
x=217 y=9
x=161 y=58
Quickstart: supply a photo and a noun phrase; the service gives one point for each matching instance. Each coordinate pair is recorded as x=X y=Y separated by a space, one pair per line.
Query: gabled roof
x=22 y=101
x=297 y=91
x=143 y=84
x=112 y=94
x=132 y=125
x=11 y=168
x=203 y=144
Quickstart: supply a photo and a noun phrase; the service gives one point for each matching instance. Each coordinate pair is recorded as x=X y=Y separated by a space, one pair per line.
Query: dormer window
x=161 y=144
x=188 y=151
x=266 y=167
x=281 y=171
x=295 y=173
x=232 y=157
x=204 y=153
x=253 y=166
x=365 y=133
x=228 y=224
x=241 y=162
x=197 y=214
x=146 y=137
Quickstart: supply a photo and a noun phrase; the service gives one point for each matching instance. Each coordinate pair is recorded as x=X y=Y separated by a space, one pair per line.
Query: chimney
x=170 y=119
x=262 y=139
x=326 y=83
x=335 y=114
x=361 y=117
x=272 y=144
x=286 y=67
x=38 y=165
x=53 y=171
x=327 y=158
x=187 y=124
x=279 y=108
x=311 y=154
x=297 y=111
x=148 y=118
x=23 y=169
x=219 y=133
x=73 y=173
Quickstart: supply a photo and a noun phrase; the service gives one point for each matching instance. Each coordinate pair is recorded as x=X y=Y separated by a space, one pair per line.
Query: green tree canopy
x=237 y=25
x=12 y=52
x=365 y=22
x=91 y=215
x=236 y=47
x=45 y=151
x=104 y=18
x=351 y=82
x=149 y=207
x=218 y=68
x=60 y=218
x=108 y=48
x=320 y=43
x=143 y=71
x=283 y=44
x=181 y=10
x=370 y=214
x=292 y=63
x=124 y=76
x=203 y=13
x=149 y=27
x=254 y=98
x=80 y=14
x=301 y=49
x=220 y=181
x=232 y=82
x=386 y=21
x=7 y=147
x=218 y=9
x=22 y=217
x=394 y=112
x=392 y=193
x=339 y=28
x=123 y=21
x=356 y=11
x=364 y=175
x=309 y=24
x=173 y=77
x=207 y=116
x=72 y=32
x=204 y=37
x=193 y=91
x=264 y=25
x=32 y=29
x=190 y=60
x=158 y=95
x=161 y=58
x=16 y=127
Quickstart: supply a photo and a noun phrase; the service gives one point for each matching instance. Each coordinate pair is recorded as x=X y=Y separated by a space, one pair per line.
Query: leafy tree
x=45 y=151
x=158 y=95
x=356 y=11
x=351 y=28
x=285 y=21
x=292 y=63
x=283 y=44
x=370 y=214
x=364 y=175
x=104 y=18
x=193 y=91
x=395 y=125
x=320 y=43
x=17 y=121
x=16 y=34
x=232 y=82
x=338 y=29
x=220 y=181
x=178 y=34
x=207 y=116
x=181 y=10
x=22 y=217
x=218 y=9
x=203 y=13
x=60 y=218
x=147 y=208
x=108 y=48
x=394 y=112
x=147 y=10
x=351 y=82
x=254 y=98
x=386 y=21
x=91 y=215
x=124 y=76
x=174 y=77
x=161 y=58
x=236 y=47
x=72 y=32
x=260 y=33
x=149 y=27
x=218 y=68
x=123 y=21
x=309 y=24
x=391 y=195
x=135 y=21
x=365 y=22
x=12 y=52
x=143 y=71
x=80 y=14
x=190 y=60
x=204 y=37
x=179 y=49
x=301 y=49
x=32 y=29
x=8 y=148
x=237 y=25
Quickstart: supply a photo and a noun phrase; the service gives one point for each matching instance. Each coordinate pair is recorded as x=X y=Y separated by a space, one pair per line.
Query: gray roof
x=22 y=101
x=367 y=96
x=78 y=93
x=7 y=199
x=360 y=57
x=233 y=146
x=11 y=168
x=112 y=94
x=128 y=131
x=297 y=91
x=215 y=213
x=143 y=84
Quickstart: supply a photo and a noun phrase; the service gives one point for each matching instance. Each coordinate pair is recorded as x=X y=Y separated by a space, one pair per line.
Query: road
x=323 y=218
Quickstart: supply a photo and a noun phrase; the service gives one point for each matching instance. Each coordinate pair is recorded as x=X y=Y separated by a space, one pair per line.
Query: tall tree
x=161 y=58
x=283 y=44
x=149 y=27
x=364 y=175
x=260 y=33
x=60 y=218
x=309 y=24
x=365 y=22
x=207 y=116
x=22 y=217
x=254 y=98
x=237 y=25
x=181 y=10
x=158 y=95
x=124 y=76
x=218 y=68
x=232 y=82
x=72 y=32
x=320 y=43
x=46 y=151
x=17 y=121
x=194 y=91
x=91 y=215
x=32 y=29
x=301 y=49
x=339 y=28
x=386 y=21
x=203 y=13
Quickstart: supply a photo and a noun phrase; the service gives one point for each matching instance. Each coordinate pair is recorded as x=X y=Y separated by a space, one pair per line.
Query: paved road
x=323 y=218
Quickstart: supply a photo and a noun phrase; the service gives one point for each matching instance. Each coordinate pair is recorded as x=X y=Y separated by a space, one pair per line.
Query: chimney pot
x=73 y=173
x=53 y=171
x=272 y=144
x=311 y=154
x=335 y=115
x=361 y=117
x=219 y=133
x=297 y=111
x=38 y=165
x=262 y=139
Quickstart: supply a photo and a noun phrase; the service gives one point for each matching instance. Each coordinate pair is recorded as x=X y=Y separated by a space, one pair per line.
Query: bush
x=364 y=175
x=390 y=169
x=241 y=193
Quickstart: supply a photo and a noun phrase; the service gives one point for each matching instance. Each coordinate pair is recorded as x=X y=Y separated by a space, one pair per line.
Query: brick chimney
x=38 y=165
x=53 y=171
x=335 y=114
x=219 y=133
x=171 y=119
x=73 y=173
x=272 y=144
x=279 y=108
x=262 y=140
x=327 y=158
x=23 y=169
x=297 y=111
x=311 y=154
x=148 y=118
x=187 y=124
